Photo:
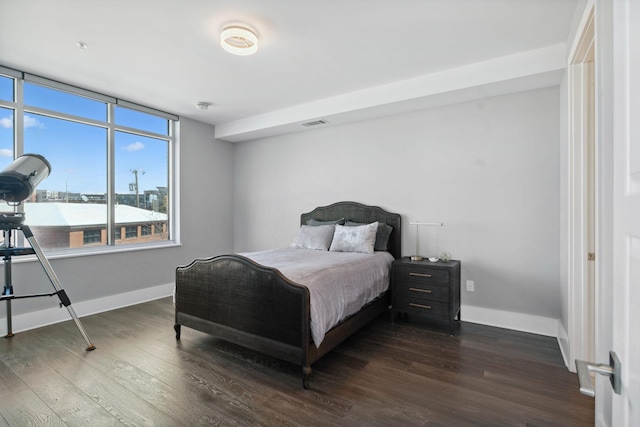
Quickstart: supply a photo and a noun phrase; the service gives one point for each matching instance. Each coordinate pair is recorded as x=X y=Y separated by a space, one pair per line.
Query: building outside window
x=110 y=162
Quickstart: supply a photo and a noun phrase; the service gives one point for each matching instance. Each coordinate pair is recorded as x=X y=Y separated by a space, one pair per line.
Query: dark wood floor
x=387 y=374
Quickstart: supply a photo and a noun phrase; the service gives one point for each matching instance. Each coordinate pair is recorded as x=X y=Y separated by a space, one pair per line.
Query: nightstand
x=429 y=289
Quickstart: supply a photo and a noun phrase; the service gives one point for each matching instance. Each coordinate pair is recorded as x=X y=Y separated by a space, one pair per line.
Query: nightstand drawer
x=423 y=306
x=422 y=290
x=421 y=275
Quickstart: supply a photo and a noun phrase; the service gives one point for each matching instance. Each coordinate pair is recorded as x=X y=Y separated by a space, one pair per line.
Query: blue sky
x=78 y=152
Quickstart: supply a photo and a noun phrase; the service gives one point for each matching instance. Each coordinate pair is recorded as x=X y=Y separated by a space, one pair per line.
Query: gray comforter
x=339 y=283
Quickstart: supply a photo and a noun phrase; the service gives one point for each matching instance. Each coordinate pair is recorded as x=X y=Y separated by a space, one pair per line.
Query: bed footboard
x=238 y=300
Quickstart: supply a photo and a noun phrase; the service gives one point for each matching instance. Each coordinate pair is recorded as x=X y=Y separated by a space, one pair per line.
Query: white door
x=625 y=310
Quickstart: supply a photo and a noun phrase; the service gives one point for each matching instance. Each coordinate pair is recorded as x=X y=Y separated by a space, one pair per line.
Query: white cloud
x=6 y=122
x=135 y=146
x=32 y=122
x=5 y=152
x=29 y=122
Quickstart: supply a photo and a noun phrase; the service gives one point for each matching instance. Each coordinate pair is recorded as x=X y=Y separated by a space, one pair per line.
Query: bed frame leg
x=176 y=327
x=306 y=373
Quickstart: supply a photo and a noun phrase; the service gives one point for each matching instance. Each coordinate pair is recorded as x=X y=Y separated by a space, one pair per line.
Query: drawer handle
x=426 y=291
x=428 y=307
x=419 y=274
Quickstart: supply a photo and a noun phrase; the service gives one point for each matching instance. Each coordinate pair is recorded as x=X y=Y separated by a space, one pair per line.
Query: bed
x=239 y=300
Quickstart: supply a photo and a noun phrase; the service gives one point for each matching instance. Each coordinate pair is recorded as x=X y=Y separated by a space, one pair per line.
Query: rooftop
x=82 y=214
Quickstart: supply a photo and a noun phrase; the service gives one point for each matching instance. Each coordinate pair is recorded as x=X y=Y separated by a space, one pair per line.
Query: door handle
x=612 y=370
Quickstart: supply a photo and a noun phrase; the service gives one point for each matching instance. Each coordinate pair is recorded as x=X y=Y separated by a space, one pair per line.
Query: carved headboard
x=357 y=212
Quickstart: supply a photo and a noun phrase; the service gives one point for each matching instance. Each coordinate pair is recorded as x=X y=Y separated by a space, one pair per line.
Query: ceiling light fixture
x=203 y=105
x=239 y=40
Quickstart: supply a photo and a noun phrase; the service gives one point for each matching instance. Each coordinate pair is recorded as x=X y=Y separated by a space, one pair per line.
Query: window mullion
x=111 y=177
x=18 y=141
x=174 y=172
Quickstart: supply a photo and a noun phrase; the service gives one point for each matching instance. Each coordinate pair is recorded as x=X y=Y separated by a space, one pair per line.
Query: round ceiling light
x=239 y=40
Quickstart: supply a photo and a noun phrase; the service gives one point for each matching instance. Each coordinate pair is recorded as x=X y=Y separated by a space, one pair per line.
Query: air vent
x=315 y=123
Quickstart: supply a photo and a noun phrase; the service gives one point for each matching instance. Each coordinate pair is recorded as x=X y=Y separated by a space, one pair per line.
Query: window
x=131 y=232
x=141 y=176
x=6 y=88
x=39 y=96
x=110 y=163
x=6 y=137
x=138 y=120
x=145 y=230
x=92 y=236
x=78 y=159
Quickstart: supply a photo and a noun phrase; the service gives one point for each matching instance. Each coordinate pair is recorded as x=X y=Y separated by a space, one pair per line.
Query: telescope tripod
x=7 y=250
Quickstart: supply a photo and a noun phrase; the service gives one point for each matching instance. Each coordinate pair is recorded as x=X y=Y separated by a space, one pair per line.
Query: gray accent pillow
x=316 y=222
x=382 y=237
x=314 y=237
x=354 y=238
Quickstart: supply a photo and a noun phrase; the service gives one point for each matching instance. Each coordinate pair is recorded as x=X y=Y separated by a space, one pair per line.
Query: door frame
x=582 y=126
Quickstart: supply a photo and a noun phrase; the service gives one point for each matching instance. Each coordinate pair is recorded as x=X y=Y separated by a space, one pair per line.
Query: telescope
x=18 y=181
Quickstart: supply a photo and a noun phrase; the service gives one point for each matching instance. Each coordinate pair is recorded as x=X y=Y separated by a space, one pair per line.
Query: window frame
x=173 y=121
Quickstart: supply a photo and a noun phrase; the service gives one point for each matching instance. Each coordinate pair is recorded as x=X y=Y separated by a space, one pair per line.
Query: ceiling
x=333 y=59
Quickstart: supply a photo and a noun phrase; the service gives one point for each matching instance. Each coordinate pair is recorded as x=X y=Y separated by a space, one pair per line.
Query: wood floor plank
x=10 y=383
x=73 y=406
x=26 y=409
x=386 y=374
x=267 y=379
x=63 y=353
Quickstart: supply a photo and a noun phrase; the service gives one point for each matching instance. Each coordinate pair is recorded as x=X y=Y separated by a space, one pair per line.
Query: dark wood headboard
x=357 y=212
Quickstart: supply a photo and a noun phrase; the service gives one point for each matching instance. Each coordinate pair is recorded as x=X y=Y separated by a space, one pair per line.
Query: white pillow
x=314 y=237
x=354 y=239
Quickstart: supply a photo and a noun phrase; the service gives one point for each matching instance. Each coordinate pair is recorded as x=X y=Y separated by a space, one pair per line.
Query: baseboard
x=563 y=343
x=509 y=320
x=36 y=319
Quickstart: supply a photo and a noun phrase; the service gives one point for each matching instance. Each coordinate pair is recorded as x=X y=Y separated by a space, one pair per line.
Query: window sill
x=98 y=250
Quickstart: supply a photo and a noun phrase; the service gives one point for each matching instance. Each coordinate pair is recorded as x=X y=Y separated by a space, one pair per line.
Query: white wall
x=102 y=282
x=488 y=169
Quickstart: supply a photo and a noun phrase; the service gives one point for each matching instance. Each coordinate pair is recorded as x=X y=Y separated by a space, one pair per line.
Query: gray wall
x=488 y=169
x=206 y=210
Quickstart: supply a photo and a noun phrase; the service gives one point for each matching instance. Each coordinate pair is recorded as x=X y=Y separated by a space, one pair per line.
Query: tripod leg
x=64 y=299
x=9 y=326
x=7 y=291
